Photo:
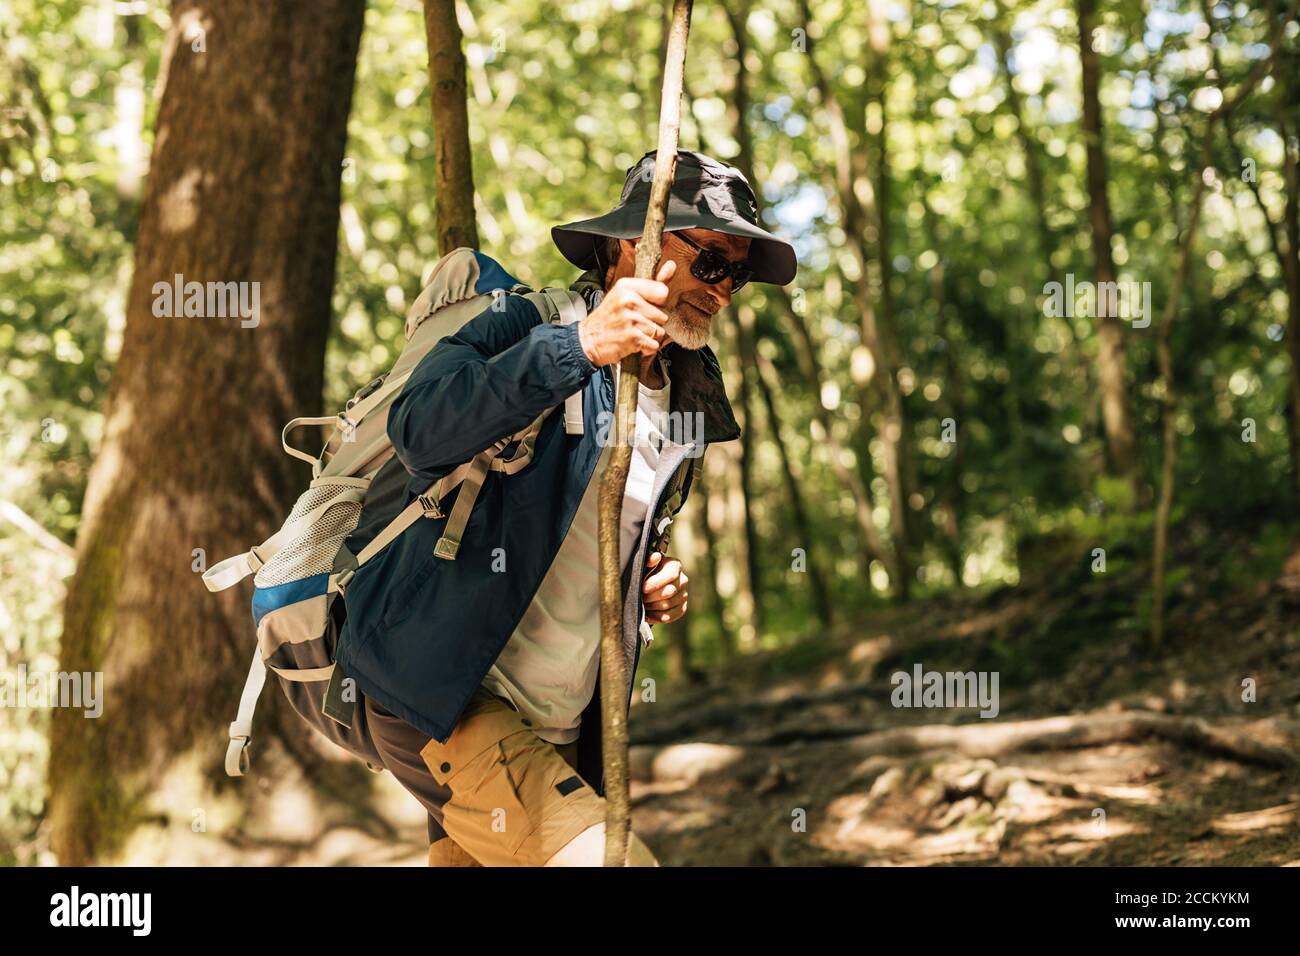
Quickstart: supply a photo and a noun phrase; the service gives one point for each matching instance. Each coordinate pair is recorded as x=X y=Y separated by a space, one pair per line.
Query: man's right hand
x=628 y=319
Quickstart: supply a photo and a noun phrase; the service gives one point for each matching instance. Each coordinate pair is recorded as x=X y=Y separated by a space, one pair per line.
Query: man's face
x=691 y=303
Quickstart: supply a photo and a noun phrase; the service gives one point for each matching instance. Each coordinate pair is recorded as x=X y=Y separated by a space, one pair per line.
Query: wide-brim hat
x=705 y=194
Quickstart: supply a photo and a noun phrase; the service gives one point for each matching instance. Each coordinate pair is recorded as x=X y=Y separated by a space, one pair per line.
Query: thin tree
x=1164 y=354
x=851 y=179
x=613 y=482
x=768 y=383
x=1117 y=417
x=1284 y=241
x=453 y=199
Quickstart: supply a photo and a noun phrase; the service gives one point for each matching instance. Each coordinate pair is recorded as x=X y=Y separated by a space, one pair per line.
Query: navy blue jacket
x=421 y=631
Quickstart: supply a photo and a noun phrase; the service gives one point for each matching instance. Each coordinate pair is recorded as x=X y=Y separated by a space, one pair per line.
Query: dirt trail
x=1103 y=752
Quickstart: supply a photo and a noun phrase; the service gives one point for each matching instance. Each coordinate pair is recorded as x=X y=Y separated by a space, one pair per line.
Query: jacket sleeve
x=495 y=375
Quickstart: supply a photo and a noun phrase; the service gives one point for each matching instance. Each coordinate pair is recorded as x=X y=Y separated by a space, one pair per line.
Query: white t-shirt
x=548 y=667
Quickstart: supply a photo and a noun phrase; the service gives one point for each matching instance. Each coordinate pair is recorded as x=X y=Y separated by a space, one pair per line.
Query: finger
x=677 y=600
x=646 y=314
x=667 y=617
x=666 y=269
x=669 y=592
x=655 y=556
x=648 y=289
x=668 y=574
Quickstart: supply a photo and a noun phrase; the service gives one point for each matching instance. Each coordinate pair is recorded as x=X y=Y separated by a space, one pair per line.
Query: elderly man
x=481 y=675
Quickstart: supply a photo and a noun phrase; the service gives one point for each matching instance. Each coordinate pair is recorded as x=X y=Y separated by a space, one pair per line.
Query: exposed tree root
x=1049 y=733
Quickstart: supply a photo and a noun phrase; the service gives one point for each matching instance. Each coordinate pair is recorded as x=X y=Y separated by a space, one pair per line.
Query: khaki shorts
x=515 y=799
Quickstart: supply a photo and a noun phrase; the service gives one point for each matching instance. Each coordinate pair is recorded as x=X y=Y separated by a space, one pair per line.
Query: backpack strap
x=482 y=463
x=295 y=423
x=469 y=477
x=241 y=728
x=565 y=307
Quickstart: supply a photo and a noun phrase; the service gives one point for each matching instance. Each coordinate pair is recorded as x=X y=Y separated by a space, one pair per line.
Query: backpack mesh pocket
x=312 y=550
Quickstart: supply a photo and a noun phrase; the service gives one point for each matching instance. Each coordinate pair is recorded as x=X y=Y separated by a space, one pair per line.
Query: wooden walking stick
x=613 y=482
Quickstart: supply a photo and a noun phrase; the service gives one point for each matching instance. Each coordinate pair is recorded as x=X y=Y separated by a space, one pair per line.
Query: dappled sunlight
x=690 y=762
x=178 y=209
x=1270 y=819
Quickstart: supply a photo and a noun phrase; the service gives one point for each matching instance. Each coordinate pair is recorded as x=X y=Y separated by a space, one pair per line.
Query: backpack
x=302 y=571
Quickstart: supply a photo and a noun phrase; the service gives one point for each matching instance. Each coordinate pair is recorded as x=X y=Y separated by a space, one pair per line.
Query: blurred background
x=939 y=466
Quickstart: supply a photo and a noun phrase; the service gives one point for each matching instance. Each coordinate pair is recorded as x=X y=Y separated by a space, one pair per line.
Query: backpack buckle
x=430 y=507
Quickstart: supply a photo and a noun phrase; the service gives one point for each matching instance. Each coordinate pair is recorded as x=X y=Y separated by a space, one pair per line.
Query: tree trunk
x=896 y=435
x=680 y=634
x=1291 y=272
x=1116 y=415
x=745 y=488
x=955 y=391
x=1029 y=147
x=711 y=523
x=454 y=178
x=765 y=375
x=1164 y=353
x=851 y=178
x=1021 y=360
x=243 y=187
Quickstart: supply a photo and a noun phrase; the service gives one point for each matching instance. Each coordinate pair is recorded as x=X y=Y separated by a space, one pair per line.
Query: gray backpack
x=302 y=571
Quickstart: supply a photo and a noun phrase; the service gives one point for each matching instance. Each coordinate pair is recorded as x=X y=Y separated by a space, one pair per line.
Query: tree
x=1117 y=417
x=852 y=181
x=454 y=193
x=1164 y=351
x=243 y=188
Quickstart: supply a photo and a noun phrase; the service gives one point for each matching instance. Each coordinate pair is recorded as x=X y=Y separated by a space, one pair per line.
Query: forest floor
x=1105 y=750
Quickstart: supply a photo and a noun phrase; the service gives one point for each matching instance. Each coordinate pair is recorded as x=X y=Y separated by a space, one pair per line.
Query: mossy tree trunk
x=243 y=188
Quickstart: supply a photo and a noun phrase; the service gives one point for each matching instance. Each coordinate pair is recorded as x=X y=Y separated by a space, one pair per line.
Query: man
x=481 y=674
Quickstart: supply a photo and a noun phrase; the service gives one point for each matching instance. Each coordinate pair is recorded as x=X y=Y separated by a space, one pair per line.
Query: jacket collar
x=696 y=376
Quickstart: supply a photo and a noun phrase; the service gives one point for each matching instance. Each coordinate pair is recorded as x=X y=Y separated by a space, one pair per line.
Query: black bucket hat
x=706 y=194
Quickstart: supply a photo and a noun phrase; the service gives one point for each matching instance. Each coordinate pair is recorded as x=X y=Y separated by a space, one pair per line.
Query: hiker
x=481 y=674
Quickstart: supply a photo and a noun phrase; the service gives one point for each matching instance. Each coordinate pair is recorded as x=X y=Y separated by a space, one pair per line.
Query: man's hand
x=628 y=319
x=665 y=590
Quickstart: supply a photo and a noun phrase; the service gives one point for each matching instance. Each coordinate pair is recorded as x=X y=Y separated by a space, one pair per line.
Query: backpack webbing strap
x=449 y=543
x=241 y=728
x=565 y=307
x=484 y=462
x=425 y=503
x=370 y=402
x=463 y=476
x=297 y=422
x=523 y=455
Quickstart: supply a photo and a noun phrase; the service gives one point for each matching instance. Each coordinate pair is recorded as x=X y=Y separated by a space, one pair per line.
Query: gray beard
x=687 y=328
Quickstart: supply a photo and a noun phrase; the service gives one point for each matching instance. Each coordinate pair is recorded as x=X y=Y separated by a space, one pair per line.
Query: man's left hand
x=665 y=590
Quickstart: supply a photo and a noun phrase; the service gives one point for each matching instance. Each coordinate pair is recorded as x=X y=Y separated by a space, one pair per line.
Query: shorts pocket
x=484 y=813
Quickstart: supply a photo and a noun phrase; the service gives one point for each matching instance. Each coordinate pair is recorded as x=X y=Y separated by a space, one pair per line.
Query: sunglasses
x=712 y=266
